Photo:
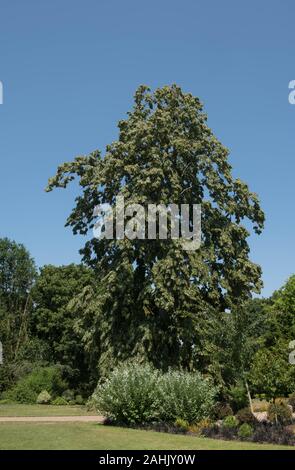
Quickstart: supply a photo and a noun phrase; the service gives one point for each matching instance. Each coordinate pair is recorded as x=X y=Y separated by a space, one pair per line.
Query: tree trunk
x=249 y=395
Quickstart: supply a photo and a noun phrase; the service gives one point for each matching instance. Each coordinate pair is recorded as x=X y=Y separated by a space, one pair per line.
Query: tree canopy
x=53 y=322
x=154 y=298
x=17 y=274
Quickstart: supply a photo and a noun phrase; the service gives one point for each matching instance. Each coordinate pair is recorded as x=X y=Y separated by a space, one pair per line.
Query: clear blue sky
x=70 y=68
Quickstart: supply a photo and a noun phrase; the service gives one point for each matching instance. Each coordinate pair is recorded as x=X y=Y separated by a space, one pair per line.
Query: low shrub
x=260 y=405
x=59 y=401
x=221 y=410
x=230 y=422
x=197 y=428
x=28 y=388
x=22 y=392
x=275 y=434
x=129 y=395
x=184 y=395
x=162 y=427
x=212 y=431
x=263 y=433
x=79 y=400
x=279 y=413
x=69 y=396
x=181 y=424
x=138 y=394
x=238 y=397
x=91 y=403
x=44 y=398
x=228 y=433
x=216 y=431
x=246 y=416
x=245 y=431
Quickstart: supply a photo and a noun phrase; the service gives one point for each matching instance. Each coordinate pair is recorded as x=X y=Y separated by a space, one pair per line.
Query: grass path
x=43 y=410
x=51 y=419
x=84 y=436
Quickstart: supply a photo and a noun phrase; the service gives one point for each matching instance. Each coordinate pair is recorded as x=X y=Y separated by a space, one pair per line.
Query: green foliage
x=233 y=342
x=17 y=274
x=185 y=395
x=197 y=428
x=151 y=300
x=79 y=400
x=271 y=375
x=28 y=388
x=221 y=410
x=129 y=395
x=238 y=396
x=136 y=393
x=33 y=353
x=54 y=322
x=245 y=431
x=181 y=424
x=282 y=313
x=22 y=392
x=69 y=395
x=59 y=401
x=230 y=422
x=165 y=153
x=279 y=413
x=245 y=326
x=44 y=398
x=246 y=416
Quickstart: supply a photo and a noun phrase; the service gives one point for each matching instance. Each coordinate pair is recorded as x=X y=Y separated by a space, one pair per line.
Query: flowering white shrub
x=44 y=398
x=185 y=395
x=129 y=395
x=136 y=393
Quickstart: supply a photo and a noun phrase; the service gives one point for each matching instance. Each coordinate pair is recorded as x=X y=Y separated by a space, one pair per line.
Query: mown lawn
x=43 y=410
x=83 y=436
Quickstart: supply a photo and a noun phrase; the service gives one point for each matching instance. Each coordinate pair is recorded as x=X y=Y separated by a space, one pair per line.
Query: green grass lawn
x=78 y=436
x=43 y=410
x=85 y=436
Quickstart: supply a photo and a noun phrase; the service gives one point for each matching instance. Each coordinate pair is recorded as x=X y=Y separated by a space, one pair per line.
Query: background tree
x=271 y=375
x=281 y=314
x=54 y=323
x=155 y=298
x=17 y=274
x=246 y=326
x=231 y=341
